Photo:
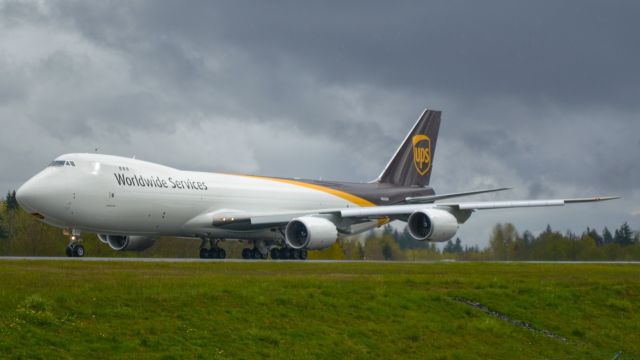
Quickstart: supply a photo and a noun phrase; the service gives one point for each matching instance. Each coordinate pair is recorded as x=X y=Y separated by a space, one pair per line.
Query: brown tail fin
x=413 y=161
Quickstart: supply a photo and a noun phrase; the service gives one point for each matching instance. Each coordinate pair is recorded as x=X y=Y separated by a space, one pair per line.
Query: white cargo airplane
x=129 y=202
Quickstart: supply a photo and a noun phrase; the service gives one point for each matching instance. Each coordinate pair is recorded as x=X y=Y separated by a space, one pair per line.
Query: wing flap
x=432 y=198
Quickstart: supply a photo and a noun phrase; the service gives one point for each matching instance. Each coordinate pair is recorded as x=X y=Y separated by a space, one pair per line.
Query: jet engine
x=309 y=232
x=127 y=243
x=432 y=225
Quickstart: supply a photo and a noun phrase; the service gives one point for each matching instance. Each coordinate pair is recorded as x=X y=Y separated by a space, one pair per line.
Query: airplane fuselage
x=116 y=195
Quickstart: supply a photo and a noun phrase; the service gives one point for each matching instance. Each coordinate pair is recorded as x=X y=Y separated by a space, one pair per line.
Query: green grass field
x=55 y=309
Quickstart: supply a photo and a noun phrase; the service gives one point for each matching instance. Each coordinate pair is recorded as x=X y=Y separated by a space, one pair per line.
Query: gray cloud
x=541 y=96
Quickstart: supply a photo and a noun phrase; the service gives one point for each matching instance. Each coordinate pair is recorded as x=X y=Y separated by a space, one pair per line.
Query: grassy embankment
x=337 y=310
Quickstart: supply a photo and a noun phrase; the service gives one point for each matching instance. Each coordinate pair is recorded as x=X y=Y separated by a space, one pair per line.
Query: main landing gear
x=253 y=254
x=209 y=250
x=276 y=254
x=213 y=253
x=288 y=254
x=75 y=247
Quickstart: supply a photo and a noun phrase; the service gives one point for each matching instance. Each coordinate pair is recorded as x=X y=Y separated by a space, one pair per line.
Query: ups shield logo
x=422 y=153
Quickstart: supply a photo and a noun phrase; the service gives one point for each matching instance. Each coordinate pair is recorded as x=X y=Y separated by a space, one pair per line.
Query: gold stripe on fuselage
x=341 y=194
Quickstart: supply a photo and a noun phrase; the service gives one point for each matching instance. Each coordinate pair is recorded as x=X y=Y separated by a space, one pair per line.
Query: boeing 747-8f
x=130 y=202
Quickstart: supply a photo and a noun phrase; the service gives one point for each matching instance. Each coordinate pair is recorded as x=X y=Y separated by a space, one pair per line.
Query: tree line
x=23 y=235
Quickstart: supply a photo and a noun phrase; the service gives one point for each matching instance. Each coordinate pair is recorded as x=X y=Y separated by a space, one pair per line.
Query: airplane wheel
x=275 y=253
x=78 y=251
x=221 y=253
x=246 y=253
x=256 y=254
x=69 y=251
x=303 y=255
x=290 y=254
x=213 y=253
x=204 y=253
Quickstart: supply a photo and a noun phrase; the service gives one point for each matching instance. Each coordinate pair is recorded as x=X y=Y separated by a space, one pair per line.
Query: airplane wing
x=483 y=205
x=236 y=220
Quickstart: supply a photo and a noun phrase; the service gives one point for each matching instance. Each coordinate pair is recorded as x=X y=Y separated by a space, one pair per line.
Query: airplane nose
x=25 y=195
x=35 y=194
x=46 y=194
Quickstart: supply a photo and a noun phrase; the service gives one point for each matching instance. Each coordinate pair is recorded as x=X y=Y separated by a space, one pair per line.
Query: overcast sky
x=543 y=96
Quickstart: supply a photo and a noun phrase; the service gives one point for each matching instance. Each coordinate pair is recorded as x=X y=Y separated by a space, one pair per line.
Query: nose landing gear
x=75 y=247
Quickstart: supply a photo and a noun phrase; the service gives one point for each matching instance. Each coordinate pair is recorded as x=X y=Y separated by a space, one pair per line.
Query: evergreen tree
x=457 y=248
x=387 y=253
x=12 y=203
x=624 y=235
x=593 y=233
x=527 y=238
x=387 y=229
x=2 y=232
x=607 y=238
x=448 y=248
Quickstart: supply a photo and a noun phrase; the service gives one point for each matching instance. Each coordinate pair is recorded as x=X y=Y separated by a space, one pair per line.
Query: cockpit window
x=60 y=163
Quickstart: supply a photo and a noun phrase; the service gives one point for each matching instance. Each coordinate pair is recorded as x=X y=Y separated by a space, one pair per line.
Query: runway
x=198 y=260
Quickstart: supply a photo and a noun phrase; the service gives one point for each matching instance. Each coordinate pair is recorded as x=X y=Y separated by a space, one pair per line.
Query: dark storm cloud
x=575 y=57
x=538 y=95
x=563 y=52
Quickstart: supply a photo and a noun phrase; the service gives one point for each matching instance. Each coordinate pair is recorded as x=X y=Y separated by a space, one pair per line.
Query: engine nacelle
x=127 y=243
x=312 y=233
x=103 y=238
x=432 y=225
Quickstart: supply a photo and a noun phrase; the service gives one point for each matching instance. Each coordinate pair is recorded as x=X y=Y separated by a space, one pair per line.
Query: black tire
x=69 y=251
x=291 y=254
x=79 y=251
x=255 y=253
x=303 y=254
x=214 y=253
x=221 y=253
x=204 y=253
x=275 y=253
x=246 y=253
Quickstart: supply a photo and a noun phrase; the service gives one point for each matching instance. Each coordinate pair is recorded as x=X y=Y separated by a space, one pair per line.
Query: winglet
x=591 y=199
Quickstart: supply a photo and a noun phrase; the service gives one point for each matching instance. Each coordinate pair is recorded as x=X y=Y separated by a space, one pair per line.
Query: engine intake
x=432 y=225
x=126 y=242
x=312 y=233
